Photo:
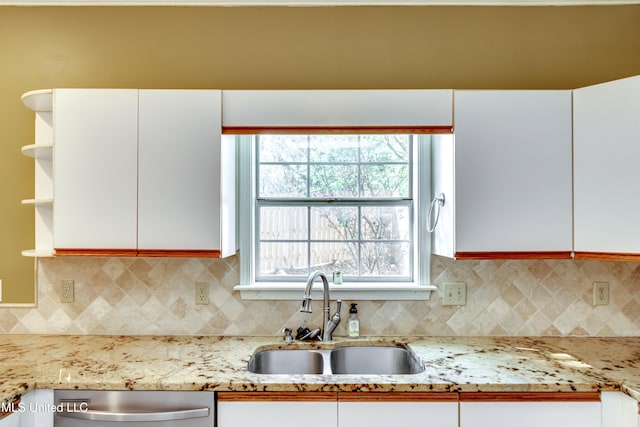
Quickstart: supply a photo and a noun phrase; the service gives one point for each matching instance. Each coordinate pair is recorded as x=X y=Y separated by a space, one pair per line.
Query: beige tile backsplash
x=155 y=296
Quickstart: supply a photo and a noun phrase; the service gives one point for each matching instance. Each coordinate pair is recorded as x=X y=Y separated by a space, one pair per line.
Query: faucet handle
x=287 y=335
x=339 y=301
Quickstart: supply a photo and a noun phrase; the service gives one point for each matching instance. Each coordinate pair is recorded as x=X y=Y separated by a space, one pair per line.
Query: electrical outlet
x=454 y=293
x=67 y=291
x=600 y=293
x=202 y=293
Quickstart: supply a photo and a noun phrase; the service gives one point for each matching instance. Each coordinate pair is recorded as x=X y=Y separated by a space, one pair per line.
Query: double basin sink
x=352 y=360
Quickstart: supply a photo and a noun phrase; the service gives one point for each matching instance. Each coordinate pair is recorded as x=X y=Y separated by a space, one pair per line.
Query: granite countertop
x=219 y=363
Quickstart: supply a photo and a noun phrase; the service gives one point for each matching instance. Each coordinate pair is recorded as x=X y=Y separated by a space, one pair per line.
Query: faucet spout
x=328 y=325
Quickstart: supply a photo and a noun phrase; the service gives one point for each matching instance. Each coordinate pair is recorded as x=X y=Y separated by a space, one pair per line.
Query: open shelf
x=38 y=151
x=38 y=100
x=32 y=253
x=37 y=202
x=41 y=103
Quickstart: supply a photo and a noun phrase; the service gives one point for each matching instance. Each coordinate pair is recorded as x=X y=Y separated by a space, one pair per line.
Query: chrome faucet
x=329 y=324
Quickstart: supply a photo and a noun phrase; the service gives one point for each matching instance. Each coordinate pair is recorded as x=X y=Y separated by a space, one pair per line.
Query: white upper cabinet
x=336 y=108
x=510 y=173
x=606 y=174
x=181 y=184
x=95 y=168
x=142 y=172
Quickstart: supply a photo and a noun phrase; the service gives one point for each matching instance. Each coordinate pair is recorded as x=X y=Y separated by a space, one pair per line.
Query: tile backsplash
x=155 y=296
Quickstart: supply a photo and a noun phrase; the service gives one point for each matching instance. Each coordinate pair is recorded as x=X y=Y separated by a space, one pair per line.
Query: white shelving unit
x=41 y=102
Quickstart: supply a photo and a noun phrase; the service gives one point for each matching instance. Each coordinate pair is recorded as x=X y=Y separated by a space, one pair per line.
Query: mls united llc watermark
x=9 y=407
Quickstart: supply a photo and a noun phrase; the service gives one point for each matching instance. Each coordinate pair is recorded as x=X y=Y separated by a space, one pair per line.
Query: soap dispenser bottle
x=353 y=325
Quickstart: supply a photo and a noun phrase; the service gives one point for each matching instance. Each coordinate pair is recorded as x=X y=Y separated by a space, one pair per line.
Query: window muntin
x=334 y=203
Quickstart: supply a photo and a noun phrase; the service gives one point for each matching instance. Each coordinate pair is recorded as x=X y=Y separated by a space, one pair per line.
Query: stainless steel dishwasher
x=91 y=408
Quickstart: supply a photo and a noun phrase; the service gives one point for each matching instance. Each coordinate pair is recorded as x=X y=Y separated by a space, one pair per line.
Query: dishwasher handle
x=95 y=415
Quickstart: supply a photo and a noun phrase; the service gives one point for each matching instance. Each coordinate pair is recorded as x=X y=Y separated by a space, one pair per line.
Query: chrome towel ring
x=435 y=205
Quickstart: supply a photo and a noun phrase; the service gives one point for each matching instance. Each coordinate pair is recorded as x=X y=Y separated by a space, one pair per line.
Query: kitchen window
x=335 y=203
x=344 y=203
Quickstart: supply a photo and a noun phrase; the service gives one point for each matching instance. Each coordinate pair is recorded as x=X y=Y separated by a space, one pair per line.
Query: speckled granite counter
x=214 y=363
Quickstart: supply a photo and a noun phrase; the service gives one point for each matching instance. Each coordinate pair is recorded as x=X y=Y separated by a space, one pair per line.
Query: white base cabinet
x=530 y=410
x=11 y=420
x=277 y=409
x=35 y=409
x=619 y=410
x=274 y=409
x=38 y=409
x=406 y=409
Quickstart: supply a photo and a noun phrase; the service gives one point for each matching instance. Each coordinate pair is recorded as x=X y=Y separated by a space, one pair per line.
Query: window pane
x=283 y=259
x=380 y=181
x=385 y=148
x=282 y=148
x=385 y=259
x=386 y=223
x=283 y=223
x=283 y=181
x=333 y=148
x=333 y=181
x=335 y=256
x=356 y=237
x=334 y=223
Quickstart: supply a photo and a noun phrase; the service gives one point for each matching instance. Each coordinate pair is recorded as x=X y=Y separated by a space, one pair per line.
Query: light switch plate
x=454 y=293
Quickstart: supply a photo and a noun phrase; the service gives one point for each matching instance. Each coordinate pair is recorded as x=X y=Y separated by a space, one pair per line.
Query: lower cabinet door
x=275 y=409
x=402 y=409
x=11 y=420
x=530 y=409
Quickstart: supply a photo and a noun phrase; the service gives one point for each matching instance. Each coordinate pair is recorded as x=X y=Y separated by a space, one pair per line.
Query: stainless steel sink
x=358 y=360
x=374 y=360
x=286 y=362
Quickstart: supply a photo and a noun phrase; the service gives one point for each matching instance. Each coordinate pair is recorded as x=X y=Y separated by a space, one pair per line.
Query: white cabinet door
x=273 y=409
x=619 y=410
x=512 y=174
x=606 y=175
x=532 y=413
x=142 y=172
x=95 y=168
x=405 y=409
x=37 y=409
x=180 y=170
x=337 y=108
x=11 y=420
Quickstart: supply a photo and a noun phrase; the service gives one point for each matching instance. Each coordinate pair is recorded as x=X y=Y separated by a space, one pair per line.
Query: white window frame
x=243 y=110
x=418 y=289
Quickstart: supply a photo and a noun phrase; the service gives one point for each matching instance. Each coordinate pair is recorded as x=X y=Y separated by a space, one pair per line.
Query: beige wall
x=285 y=48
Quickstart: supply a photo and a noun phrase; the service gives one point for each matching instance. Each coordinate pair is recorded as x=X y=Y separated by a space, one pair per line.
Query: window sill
x=345 y=291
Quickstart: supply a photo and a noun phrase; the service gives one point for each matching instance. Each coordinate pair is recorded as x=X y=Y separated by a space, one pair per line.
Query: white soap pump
x=353 y=325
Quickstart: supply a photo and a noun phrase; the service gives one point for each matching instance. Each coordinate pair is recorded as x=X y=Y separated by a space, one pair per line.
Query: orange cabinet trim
x=178 y=254
x=140 y=253
x=264 y=130
x=275 y=396
x=513 y=255
x=530 y=397
x=95 y=252
x=607 y=256
x=397 y=397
